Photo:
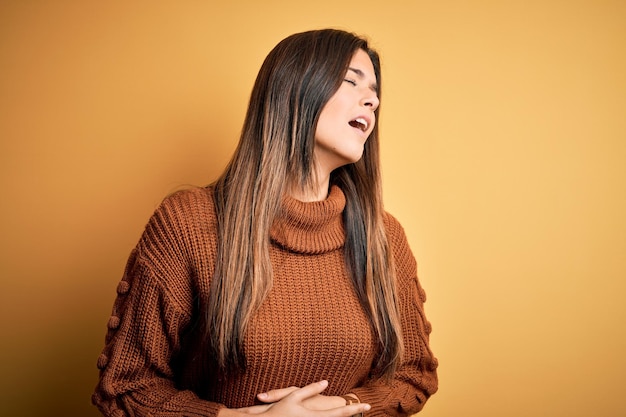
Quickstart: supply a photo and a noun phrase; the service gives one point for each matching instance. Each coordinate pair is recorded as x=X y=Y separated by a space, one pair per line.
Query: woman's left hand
x=317 y=402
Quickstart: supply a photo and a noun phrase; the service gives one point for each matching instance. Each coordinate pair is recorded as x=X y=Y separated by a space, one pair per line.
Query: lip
x=368 y=119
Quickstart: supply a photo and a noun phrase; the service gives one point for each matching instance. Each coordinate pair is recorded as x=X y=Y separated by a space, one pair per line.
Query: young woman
x=284 y=288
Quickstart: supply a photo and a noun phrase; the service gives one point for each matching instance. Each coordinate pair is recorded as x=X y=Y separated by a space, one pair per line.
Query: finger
x=310 y=390
x=359 y=408
x=275 y=394
x=348 y=410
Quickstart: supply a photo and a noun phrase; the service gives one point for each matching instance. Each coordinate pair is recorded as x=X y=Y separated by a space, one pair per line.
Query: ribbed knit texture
x=310 y=327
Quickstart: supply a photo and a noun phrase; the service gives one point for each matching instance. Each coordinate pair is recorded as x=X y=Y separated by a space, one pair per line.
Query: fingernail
x=324 y=383
x=367 y=407
x=263 y=395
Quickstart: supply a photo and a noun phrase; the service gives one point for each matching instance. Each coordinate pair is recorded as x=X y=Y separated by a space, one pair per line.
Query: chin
x=352 y=159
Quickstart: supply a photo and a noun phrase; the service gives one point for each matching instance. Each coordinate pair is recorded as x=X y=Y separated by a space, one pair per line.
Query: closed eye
x=350 y=81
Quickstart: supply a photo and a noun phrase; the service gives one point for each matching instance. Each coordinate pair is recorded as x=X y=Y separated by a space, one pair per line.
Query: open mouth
x=359 y=123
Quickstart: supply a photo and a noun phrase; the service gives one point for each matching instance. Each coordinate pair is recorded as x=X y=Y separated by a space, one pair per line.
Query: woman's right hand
x=298 y=402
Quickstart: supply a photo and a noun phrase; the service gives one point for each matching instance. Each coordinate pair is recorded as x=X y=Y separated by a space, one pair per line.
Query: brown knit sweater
x=311 y=326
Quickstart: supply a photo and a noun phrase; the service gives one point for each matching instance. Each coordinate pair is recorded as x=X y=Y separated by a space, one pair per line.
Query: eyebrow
x=361 y=75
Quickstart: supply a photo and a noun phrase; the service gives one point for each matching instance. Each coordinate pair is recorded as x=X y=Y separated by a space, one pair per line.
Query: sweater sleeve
x=151 y=311
x=416 y=376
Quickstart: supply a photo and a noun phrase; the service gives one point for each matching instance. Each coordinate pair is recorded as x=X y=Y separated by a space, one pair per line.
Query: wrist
x=228 y=412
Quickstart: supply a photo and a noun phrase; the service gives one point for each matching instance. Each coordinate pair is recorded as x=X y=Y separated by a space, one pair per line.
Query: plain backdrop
x=504 y=156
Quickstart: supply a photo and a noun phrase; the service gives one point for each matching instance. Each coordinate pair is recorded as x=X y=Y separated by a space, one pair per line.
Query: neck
x=318 y=191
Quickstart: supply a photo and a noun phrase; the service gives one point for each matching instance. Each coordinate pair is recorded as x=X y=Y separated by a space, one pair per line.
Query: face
x=348 y=118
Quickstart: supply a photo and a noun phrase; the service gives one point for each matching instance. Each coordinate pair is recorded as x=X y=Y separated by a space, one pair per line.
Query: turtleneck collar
x=311 y=227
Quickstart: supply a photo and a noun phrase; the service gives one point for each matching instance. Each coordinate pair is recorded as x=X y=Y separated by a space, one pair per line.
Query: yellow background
x=504 y=156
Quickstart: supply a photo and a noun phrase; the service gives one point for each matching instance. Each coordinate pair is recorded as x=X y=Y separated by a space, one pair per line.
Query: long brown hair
x=275 y=151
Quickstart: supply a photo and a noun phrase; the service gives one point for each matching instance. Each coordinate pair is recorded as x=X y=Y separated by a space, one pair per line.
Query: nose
x=370 y=100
